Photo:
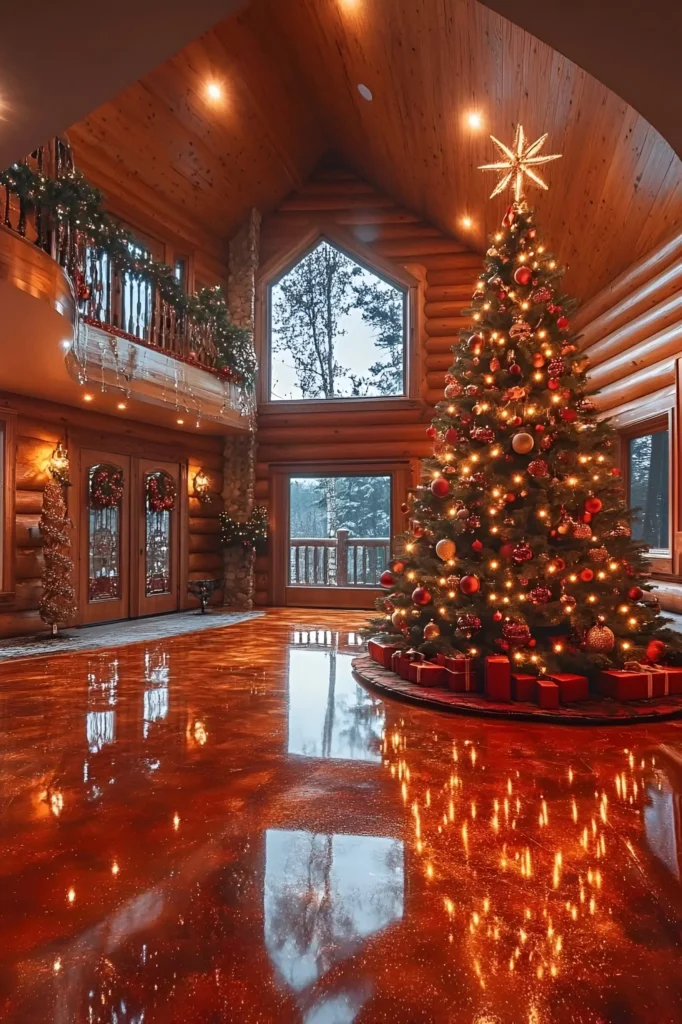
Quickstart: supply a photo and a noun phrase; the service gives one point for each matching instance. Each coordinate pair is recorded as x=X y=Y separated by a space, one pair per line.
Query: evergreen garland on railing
x=72 y=200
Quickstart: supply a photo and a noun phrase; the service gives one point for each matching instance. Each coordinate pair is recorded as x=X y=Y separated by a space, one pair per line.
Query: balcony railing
x=108 y=290
x=340 y=561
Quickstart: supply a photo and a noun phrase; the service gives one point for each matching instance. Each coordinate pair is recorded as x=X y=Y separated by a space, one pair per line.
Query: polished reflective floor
x=226 y=827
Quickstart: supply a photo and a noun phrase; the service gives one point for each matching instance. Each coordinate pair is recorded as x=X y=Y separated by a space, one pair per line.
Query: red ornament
x=635 y=593
x=562 y=323
x=655 y=650
x=586 y=575
x=515 y=369
x=522 y=275
x=404 y=507
x=540 y=594
x=477 y=546
x=516 y=633
x=440 y=488
x=568 y=415
x=541 y=295
x=486 y=435
x=586 y=517
x=469 y=585
x=417 y=528
x=509 y=217
x=421 y=596
x=453 y=389
x=497 y=616
x=475 y=341
x=507 y=551
x=522 y=553
x=468 y=625
x=398 y=567
x=451 y=435
x=386 y=579
x=553 y=384
x=593 y=505
x=539 y=428
x=556 y=368
x=559 y=564
x=431 y=432
x=538 y=468
x=615 y=471
x=509 y=497
x=494 y=364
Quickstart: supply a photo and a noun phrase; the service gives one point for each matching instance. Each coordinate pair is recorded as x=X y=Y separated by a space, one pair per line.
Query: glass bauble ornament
x=600 y=638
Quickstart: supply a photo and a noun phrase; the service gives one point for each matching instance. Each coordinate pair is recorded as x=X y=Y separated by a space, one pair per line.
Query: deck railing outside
x=339 y=561
x=124 y=303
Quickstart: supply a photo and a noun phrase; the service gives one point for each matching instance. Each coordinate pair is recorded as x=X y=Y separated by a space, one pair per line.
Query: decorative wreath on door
x=106 y=487
x=160 y=492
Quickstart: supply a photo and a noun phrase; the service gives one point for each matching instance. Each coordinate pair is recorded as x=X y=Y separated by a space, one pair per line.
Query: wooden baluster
x=8 y=219
x=39 y=210
x=316 y=563
x=372 y=566
x=306 y=563
x=325 y=566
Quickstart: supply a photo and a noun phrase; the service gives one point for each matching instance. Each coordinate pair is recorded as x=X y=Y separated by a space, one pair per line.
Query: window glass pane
x=339 y=530
x=648 y=476
x=180 y=271
x=337 y=330
x=104 y=528
x=158 y=545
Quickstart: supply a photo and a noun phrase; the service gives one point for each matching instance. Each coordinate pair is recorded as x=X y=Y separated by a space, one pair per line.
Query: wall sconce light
x=59 y=465
x=202 y=487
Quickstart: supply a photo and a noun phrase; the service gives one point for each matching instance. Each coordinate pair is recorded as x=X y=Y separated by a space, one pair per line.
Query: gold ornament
x=398 y=619
x=431 y=631
x=523 y=443
x=519 y=163
x=581 y=531
x=600 y=638
x=598 y=554
x=445 y=549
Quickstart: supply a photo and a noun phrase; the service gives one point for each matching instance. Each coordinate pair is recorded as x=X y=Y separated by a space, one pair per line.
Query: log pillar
x=240 y=450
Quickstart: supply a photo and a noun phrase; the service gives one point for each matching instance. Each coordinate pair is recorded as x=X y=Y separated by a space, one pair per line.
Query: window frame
x=8 y=441
x=661 y=560
x=397 y=275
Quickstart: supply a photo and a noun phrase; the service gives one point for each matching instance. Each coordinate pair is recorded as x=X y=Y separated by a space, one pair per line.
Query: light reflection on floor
x=230 y=828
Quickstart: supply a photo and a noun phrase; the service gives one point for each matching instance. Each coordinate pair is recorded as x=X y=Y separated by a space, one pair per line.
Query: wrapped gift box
x=460 y=675
x=640 y=683
x=523 y=687
x=400 y=663
x=571 y=687
x=382 y=652
x=425 y=673
x=450 y=661
x=547 y=694
x=497 y=677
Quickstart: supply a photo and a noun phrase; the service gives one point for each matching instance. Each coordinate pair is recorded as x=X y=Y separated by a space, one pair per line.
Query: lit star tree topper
x=521 y=161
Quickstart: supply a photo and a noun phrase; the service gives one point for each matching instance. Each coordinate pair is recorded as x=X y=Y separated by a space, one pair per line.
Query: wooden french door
x=104 y=536
x=157 y=585
x=129 y=543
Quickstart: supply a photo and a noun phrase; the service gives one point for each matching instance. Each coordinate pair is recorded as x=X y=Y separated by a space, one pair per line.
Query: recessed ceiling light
x=214 y=90
x=466 y=222
x=65 y=344
x=474 y=119
x=180 y=422
x=365 y=92
x=121 y=405
x=87 y=398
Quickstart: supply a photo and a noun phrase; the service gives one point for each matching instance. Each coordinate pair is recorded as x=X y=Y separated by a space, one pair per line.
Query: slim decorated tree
x=519 y=536
x=57 y=604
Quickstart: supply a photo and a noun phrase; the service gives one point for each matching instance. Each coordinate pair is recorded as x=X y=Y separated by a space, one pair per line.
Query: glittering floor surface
x=227 y=827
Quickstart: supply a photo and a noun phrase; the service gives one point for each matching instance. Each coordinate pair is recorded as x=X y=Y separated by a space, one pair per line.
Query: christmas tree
x=519 y=536
x=57 y=604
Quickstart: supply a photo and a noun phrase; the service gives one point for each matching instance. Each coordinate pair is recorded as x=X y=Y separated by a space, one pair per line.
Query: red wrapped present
x=460 y=675
x=497 y=677
x=571 y=687
x=425 y=673
x=382 y=652
x=401 y=661
x=523 y=687
x=449 y=661
x=640 y=682
x=547 y=694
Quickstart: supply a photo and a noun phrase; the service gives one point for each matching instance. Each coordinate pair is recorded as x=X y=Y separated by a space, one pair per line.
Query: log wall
x=632 y=333
x=40 y=425
x=396 y=236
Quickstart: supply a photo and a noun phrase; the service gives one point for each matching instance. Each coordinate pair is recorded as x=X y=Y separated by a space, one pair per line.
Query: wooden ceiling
x=290 y=71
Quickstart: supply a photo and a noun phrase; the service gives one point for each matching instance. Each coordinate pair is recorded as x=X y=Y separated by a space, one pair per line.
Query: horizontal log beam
x=29 y=502
x=346 y=433
x=409 y=248
x=370 y=450
x=27 y=532
x=439 y=362
x=451 y=276
x=204 y=562
x=631 y=279
x=29 y=563
x=446 y=326
x=323 y=420
x=459 y=292
x=644 y=326
x=633 y=305
x=261 y=489
x=444 y=309
x=655 y=404
x=204 y=510
x=441 y=345
x=465 y=261
x=662 y=345
x=204 y=543
x=204 y=525
x=637 y=386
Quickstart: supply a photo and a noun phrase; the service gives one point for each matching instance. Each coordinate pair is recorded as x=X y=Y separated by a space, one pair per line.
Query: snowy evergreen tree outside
x=337 y=330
